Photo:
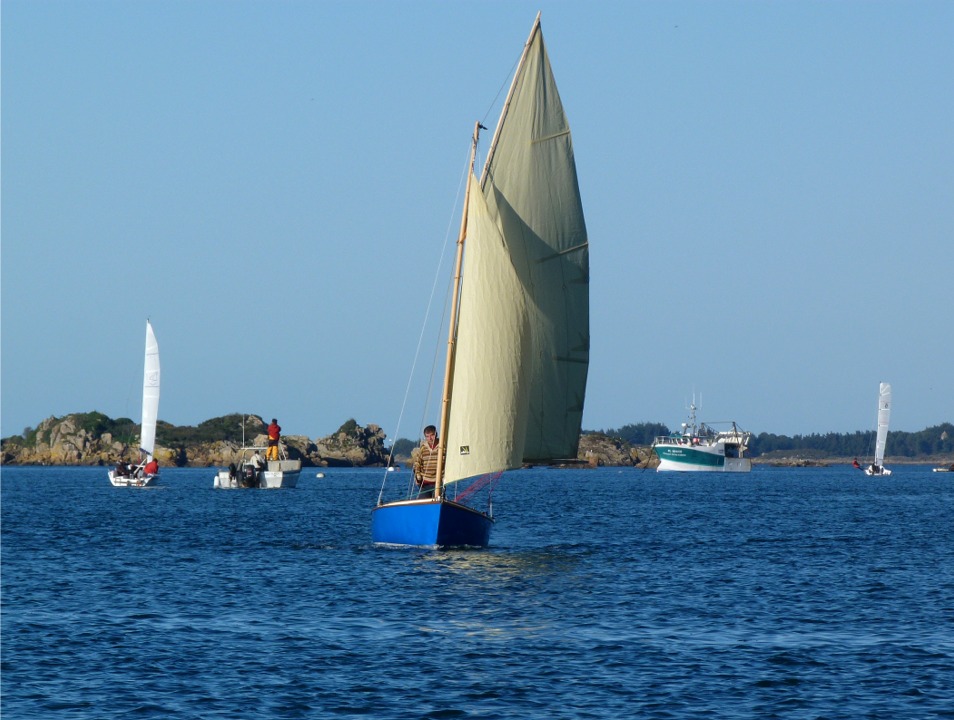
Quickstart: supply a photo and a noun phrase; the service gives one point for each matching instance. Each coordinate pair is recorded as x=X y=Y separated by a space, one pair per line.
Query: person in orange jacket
x=274 y=435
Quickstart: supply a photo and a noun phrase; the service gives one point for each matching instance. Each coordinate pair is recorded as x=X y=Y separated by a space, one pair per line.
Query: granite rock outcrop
x=92 y=439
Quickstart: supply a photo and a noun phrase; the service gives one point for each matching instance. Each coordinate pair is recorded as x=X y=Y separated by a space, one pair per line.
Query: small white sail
x=884 y=415
x=150 y=393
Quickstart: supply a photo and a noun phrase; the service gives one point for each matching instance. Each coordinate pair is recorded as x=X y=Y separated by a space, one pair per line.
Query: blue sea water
x=610 y=593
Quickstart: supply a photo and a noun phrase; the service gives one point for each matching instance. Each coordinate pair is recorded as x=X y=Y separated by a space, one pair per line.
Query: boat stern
x=430 y=523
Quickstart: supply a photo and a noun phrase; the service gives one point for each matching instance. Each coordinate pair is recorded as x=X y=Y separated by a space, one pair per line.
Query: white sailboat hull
x=126 y=481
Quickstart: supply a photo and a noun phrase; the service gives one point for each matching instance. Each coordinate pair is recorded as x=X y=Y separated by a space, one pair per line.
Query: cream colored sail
x=531 y=184
x=523 y=331
x=490 y=400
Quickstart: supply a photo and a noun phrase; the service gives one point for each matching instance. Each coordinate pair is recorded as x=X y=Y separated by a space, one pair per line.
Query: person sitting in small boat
x=256 y=461
x=856 y=464
x=425 y=466
x=120 y=469
x=152 y=467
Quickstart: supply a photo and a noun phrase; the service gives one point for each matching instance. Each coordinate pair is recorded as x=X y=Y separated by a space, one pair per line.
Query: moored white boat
x=699 y=448
x=260 y=473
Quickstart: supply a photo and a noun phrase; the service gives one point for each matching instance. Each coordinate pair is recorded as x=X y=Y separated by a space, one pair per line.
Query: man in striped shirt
x=425 y=466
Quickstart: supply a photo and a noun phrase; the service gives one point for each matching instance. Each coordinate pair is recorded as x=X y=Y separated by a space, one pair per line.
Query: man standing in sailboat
x=425 y=466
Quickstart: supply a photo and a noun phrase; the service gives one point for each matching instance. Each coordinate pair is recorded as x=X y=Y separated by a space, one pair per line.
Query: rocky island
x=96 y=439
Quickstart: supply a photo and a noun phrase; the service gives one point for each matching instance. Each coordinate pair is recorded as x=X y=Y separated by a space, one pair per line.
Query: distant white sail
x=884 y=415
x=150 y=393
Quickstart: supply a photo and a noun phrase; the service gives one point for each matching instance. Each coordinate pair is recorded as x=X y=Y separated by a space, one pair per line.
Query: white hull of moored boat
x=285 y=475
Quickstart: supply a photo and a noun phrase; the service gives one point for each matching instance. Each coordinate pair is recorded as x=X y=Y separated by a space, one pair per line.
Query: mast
x=506 y=107
x=452 y=331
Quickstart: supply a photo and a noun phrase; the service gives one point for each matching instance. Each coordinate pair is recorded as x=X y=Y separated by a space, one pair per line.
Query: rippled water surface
x=806 y=593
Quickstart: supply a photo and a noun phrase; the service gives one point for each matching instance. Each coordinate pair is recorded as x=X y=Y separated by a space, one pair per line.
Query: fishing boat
x=252 y=471
x=884 y=415
x=518 y=341
x=129 y=475
x=700 y=448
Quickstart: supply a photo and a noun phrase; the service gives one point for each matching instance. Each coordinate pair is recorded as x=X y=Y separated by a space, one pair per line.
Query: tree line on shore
x=937 y=440
x=932 y=441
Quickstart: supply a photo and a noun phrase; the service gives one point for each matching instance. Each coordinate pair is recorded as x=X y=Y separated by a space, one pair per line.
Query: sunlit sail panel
x=488 y=413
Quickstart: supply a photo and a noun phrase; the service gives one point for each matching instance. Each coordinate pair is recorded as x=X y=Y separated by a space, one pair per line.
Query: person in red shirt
x=152 y=467
x=274 y=435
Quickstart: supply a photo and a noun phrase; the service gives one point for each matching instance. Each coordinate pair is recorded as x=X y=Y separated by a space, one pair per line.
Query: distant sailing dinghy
x=136 y=476
x=518 y=347
x=884 y=415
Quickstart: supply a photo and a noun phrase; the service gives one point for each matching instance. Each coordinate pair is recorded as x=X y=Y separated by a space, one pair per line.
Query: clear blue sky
x=768 y=187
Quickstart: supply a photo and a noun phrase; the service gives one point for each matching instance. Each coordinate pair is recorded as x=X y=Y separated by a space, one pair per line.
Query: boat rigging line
x=420 y=340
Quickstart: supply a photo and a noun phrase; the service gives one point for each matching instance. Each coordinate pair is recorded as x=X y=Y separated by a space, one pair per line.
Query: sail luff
x=150 y=393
